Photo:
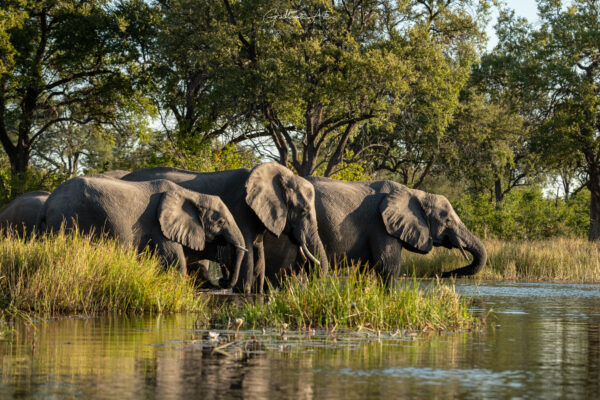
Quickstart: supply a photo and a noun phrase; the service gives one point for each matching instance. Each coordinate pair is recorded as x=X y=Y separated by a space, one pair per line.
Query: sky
x=523 y=8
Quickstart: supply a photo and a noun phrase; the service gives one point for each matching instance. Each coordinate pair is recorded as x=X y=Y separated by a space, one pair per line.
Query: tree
x=193 y=49
x=321 y=70
x=71 y=63
x=488 y=147
x=560 y=66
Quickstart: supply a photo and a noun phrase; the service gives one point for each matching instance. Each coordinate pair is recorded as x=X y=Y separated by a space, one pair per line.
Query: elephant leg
x=386 y=255
x=203 y=270
x=259 y=264
x=247 y=269
x=172 y=253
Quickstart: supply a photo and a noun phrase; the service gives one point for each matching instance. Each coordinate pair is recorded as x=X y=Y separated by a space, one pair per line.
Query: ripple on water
x=530 y=290
x=476 y=377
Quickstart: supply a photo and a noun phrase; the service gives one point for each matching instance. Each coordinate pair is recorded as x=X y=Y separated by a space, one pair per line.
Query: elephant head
x=285 y=202
x=422 y=220
x=192 y=219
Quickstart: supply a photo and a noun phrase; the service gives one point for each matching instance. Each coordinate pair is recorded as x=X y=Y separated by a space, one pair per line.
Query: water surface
x=540 y=341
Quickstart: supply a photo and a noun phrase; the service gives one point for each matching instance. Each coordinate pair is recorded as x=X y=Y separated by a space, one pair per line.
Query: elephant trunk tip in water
x=228 y=284
x=477 y=249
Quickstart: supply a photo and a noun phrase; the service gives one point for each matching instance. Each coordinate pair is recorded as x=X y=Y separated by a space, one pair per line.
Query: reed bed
x=552 y=260
x=75 y=273
x=355 y=299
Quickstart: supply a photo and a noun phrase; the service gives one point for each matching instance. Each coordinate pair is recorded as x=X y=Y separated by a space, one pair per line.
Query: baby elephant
x=175 y=222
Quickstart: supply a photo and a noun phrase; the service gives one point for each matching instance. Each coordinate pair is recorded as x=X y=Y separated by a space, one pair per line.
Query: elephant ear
x=180 y=220
x=404 y=217
x=265 y=194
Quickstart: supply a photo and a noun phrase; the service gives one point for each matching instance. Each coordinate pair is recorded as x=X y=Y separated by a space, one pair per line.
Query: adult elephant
x=24 y=214
x=268 y=197
x=175 y=222
x=372 y=221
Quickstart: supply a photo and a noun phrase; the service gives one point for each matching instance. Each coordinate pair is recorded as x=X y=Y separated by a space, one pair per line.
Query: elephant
x=24 y=214
x=372 y=221
x=176 y=223
x=268 y=197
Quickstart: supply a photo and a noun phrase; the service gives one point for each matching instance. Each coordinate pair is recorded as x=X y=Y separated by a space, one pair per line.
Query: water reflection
x=533 y=346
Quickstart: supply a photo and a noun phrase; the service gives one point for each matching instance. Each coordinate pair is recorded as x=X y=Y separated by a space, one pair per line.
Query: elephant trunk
x=240 y=253
x=323 y=257
x=312 y=241
x=473 y=245
x=234 y=236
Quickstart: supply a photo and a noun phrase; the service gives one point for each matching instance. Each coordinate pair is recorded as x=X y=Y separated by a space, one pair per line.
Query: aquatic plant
x=557 y=259
x=356 y=298
x=75 y=273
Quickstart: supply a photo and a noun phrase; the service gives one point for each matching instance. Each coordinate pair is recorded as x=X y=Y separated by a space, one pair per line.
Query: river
x=539 y=341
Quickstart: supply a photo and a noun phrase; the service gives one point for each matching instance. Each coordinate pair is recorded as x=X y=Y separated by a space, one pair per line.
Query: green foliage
x=349 y=171
x=12 y=186
x=72 y=64
x=525 y=214
x=488 y=146
x=203 y=158
x=555 y=70
x=76 y=274
x=357 y=299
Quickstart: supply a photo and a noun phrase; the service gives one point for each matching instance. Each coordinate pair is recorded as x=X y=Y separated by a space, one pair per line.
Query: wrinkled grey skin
x=268 y=197
x=24 y=214
x=175 y=222
x=372 y=221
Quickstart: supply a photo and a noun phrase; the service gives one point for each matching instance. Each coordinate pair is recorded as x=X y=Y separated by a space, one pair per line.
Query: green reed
x=355 y=298
x=75 y=273
x=559 y=260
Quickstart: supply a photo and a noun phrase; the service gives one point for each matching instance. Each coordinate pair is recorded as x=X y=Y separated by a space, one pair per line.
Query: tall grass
x=560 y=259
x=352 y=298
x=74 y=273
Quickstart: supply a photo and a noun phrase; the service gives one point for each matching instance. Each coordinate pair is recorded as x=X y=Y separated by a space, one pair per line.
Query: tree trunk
x=594 y=186
x=309 y=161
x=498 y=193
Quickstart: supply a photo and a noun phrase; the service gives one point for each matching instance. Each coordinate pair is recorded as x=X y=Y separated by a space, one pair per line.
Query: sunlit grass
x=355 y=299
x=560 y=260
x=74 y=273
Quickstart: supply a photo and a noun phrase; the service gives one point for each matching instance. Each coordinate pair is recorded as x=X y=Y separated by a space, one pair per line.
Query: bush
x=525 y=214
x=12 y=187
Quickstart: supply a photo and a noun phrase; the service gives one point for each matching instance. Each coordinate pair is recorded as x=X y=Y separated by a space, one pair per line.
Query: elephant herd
x=257 y=223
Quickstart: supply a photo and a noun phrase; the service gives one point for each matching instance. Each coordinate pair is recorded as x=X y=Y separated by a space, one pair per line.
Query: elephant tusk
x=309 y=255
x=302 y=252
x=463 y=252
x=240 y=247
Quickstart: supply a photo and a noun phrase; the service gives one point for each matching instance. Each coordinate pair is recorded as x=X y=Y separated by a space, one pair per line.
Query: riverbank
x=552 y=260
x=66 y=274
x=75 y=274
